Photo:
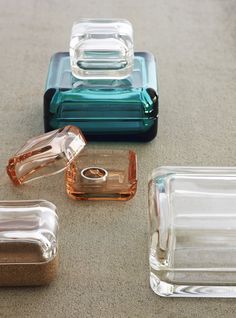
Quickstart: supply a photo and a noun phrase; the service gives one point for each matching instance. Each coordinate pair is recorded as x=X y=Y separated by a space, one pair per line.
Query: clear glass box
x=192 y=212
x=101 y=48
x=28 y=243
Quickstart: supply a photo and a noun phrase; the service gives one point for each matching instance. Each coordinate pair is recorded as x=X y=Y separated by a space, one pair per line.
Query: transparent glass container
x=105 y=110
x=192 y=212
x=28 y=243
x=101 y=49
x=102 y=175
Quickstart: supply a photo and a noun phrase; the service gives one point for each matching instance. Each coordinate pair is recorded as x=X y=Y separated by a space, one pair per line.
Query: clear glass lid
x=28 y=232
x=101 y=48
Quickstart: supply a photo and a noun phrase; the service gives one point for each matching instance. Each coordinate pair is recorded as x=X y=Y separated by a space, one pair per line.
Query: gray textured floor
x=103 y=246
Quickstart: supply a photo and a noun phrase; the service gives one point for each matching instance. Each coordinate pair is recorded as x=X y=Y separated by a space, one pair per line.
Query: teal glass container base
x=192 y=213
x=107 y=110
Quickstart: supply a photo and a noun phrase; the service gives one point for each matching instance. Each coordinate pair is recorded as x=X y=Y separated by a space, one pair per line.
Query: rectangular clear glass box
x=192 y=212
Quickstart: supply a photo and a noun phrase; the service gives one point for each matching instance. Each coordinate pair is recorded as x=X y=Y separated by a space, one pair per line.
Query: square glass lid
x=45 y=155
x=192 y=212
x=101 y=48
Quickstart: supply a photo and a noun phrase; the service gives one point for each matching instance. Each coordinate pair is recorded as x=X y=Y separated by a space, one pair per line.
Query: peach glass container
x=102 y=175
x=90 y=174
x=45 y=155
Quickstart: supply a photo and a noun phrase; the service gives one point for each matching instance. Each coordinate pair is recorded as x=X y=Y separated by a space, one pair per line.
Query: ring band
x=94 y=174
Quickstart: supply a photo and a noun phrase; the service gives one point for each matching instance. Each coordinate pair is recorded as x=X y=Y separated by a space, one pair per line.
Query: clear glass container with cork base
x=28 y=243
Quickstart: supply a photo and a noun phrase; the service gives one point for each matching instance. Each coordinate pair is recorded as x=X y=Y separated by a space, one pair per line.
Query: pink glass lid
x=46 y=154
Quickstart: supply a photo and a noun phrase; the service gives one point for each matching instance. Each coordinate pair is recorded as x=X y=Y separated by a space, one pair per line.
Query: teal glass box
x=104 y=109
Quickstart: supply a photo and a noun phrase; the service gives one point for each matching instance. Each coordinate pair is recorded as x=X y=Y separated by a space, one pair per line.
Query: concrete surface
x=103 y=246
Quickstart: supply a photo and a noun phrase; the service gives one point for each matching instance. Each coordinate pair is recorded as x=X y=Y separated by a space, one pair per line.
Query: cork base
x=22 y=264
